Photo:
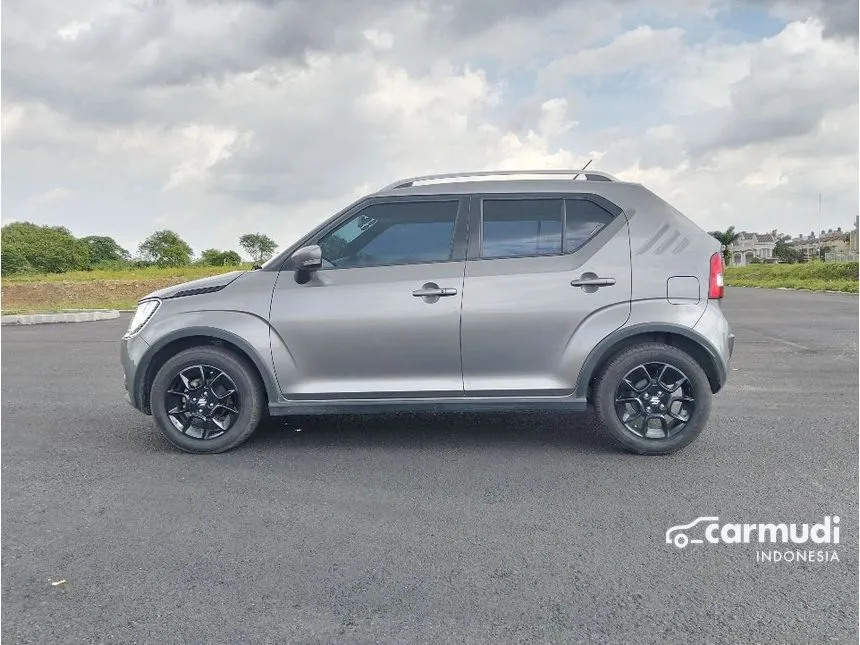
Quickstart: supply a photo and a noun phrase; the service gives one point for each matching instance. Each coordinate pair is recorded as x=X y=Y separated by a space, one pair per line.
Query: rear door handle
x=593 y=282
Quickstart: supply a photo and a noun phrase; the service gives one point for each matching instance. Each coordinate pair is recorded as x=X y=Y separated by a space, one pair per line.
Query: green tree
x=12 y=260
x=231 y=258
x=105 y=249
x=259 y=246
x=214 y=257
x=785 y=253
x=166 y=249
x=726 y=238
x=48 y=249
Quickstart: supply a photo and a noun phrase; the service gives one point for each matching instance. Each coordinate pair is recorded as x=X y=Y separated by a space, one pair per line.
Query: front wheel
x=653 y=399
x=206 y=400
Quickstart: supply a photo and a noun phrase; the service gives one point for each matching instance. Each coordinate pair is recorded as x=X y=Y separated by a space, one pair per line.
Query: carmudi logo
x=709 y=530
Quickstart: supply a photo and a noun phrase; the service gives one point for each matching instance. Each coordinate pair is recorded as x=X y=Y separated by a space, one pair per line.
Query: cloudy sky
x=219 y=117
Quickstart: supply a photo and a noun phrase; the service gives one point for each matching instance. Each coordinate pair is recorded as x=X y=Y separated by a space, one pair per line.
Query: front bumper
x=132 y=351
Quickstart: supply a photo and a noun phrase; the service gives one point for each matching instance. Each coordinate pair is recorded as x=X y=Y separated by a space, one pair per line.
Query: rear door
x=523 y=322
x=381 y=319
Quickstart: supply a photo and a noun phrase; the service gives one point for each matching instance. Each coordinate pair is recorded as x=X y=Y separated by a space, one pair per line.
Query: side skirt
x=459 y=404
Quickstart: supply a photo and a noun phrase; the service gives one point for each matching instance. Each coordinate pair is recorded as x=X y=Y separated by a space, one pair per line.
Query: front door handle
x=433 y=290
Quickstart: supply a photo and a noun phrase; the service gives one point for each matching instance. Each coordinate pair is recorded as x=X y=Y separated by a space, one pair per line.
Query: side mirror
x=307 y=258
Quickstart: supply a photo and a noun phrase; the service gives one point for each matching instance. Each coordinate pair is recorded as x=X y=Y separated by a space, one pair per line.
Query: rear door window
x=521 y=227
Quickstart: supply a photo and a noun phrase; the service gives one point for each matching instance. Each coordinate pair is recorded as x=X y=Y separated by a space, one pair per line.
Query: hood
x=196 y=287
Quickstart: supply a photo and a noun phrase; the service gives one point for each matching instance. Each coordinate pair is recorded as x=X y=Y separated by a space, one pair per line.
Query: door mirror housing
x=307 y=258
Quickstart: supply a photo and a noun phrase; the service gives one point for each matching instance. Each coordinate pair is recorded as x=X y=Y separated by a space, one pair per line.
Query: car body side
x=666 y=256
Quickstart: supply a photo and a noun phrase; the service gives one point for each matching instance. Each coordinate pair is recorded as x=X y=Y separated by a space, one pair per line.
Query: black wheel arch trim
x=214 y=333
x=715 y=369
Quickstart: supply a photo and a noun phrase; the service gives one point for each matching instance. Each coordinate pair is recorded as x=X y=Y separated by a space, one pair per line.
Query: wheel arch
x=186 y=338
x=681 y=337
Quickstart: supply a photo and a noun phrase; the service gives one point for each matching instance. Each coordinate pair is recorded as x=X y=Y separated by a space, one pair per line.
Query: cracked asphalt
x=501 y=528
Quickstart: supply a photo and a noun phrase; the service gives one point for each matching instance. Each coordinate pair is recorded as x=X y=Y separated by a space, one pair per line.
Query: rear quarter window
x=583 y=220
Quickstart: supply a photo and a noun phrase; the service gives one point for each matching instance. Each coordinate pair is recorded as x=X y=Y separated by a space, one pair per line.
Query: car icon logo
x=677 y=534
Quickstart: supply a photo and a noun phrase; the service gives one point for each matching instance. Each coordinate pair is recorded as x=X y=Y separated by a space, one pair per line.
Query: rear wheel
x=653 y=399
x=206 y=400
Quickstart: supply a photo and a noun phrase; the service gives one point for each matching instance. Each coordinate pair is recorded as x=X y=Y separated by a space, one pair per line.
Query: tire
x=629 y=363
x=248 y=400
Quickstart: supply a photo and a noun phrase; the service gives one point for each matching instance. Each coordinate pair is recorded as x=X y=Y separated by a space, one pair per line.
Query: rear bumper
x=714 y=327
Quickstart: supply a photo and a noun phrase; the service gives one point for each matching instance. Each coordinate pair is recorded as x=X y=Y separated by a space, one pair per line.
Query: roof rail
x=591 y=175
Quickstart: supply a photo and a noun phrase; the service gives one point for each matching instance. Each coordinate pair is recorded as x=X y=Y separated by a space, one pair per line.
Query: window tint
x=521 y=227
x=583 y=219
x=393 y=233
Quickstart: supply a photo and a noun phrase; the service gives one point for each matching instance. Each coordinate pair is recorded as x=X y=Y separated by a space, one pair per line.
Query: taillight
x=716 y=281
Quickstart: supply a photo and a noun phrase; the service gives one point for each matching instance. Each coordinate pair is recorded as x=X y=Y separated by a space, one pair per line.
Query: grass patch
x=103 y=289
x=180 y=274
x=815 y=276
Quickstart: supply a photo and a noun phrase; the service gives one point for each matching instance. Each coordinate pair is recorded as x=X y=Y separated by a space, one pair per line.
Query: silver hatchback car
x=479 y=291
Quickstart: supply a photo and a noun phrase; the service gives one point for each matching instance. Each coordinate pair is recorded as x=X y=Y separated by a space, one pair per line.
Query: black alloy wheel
x=207 y=399
x=655 y=400
x=652 y=398
x=202 y=402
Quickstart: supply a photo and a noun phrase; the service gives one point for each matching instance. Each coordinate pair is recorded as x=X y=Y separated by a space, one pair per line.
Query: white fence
x=841 y=256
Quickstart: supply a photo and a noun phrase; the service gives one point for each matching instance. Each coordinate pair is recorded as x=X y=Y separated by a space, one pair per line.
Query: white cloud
x=11 y=118
x=201 y=148
x=755 y=131
x=793 y=79
x=57 y=194
x=230 y=113
x=553 y=118
x=631 y=50
x=72 y=30
x=379 y=39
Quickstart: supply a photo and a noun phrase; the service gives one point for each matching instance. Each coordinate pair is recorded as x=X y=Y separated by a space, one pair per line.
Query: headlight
x=142 y=314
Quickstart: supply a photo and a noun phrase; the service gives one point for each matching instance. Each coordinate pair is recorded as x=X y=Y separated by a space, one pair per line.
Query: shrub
x=836 y=276
x=48 y=249
x=214 y=257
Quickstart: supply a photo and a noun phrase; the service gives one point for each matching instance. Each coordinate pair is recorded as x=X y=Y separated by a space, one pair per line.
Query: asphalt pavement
x=429 y=528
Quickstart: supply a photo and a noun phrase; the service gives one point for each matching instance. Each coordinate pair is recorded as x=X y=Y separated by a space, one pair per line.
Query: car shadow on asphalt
x=579 y=432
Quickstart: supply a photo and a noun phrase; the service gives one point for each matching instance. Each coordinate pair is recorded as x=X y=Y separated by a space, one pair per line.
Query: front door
x=382 y=317
x=524 y=325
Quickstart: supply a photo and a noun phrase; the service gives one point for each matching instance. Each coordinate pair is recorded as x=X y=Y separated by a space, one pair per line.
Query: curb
x=59 y=317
